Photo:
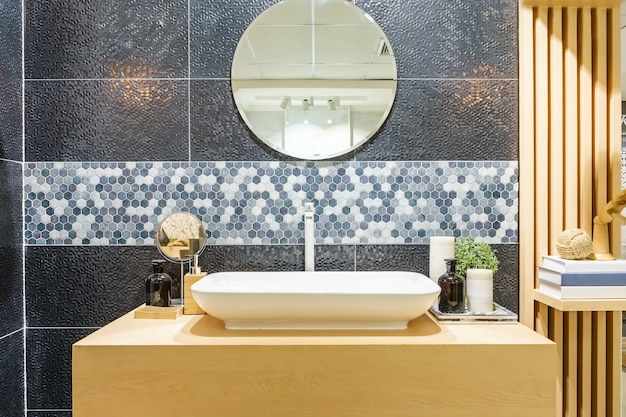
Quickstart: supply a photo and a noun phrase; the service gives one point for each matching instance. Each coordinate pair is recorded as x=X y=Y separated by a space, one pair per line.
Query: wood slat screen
x=570 y=166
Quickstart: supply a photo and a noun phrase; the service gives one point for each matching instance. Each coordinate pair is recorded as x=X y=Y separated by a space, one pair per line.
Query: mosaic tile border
x=261 y=203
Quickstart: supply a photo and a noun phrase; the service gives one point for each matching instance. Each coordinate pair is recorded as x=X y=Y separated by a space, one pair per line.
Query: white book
x=582 y=292
x=581 y=278
x=556 y=263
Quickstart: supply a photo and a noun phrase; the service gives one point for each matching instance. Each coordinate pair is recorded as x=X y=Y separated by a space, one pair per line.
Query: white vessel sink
x=315 y=300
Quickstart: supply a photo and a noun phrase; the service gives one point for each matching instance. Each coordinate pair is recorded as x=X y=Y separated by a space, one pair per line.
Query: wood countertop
x=192 y=366
x=207 y=330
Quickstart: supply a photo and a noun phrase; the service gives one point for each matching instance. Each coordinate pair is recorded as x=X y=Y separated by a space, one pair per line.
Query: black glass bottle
x=158 y=286
x=452 y=297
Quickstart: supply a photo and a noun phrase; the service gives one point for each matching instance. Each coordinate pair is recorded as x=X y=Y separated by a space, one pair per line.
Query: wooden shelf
x=571 y=3
x=609 y=304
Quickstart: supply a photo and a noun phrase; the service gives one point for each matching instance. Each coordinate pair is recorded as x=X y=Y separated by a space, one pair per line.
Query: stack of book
x=582 y=279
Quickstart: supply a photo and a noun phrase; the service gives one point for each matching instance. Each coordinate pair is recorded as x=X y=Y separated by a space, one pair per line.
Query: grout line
x=189 y=80
x=23 y=133
x=12 y=333
x=61 y=410
x=228 y=78
x=62 y=327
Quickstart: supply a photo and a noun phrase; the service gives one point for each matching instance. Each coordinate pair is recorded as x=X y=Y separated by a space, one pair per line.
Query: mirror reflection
x=314 y=79
x=180 y=236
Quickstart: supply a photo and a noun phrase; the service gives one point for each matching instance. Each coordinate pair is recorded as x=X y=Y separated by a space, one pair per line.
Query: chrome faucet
x=309 y=237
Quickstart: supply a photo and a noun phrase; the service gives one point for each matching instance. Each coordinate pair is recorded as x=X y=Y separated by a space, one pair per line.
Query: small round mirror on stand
x=180 y=237
x=314 y=79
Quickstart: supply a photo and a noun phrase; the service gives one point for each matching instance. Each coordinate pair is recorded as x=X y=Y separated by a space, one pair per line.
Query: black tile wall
x=106 y=120
x=85 y=286
x=275 y=258
x=12 y=375
x=11 y=297
x=49 y=367
x=215 y=28
x=451 y=38
x=11 y=80
x=434 y=120
x=105 y=39
x=137 y=81
x=11 y=290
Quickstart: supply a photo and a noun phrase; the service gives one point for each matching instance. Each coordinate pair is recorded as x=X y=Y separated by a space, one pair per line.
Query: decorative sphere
x=574 y=244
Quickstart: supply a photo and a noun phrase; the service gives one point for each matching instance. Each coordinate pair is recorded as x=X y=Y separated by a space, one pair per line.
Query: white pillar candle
x=441 y=248
x=479 y=290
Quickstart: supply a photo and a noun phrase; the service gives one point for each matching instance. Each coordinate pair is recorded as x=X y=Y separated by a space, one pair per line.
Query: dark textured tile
x=11 y=203
x=12 y=375
x=105 y=39
x=415 y=258
x=217 y=258
x=450 y=39
x=106 y=120
x=11 y=39
x=506 y=279
x=215 y=30
x=335 y=258
x=11 y=116
x=392 y=258
x=11 y=290
x=49 y=414
x=85 y=286
x=252 y=258
x=11 y=80
x=49 y=367
x=218 y=133
x=448 y=120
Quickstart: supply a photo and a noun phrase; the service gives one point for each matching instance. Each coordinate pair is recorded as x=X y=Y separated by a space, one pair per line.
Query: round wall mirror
x=314 y=79
x=180 y=237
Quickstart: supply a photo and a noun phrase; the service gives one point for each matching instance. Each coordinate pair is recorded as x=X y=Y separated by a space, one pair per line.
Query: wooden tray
x=152 y=312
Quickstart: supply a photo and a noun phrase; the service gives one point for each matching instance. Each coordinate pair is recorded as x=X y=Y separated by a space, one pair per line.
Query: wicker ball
x=574 y=244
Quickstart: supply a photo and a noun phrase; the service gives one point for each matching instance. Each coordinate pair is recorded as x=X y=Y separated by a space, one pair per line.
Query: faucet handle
x=308 y=206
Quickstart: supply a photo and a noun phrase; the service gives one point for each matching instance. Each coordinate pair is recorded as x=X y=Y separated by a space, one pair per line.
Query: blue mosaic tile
x=259 y=203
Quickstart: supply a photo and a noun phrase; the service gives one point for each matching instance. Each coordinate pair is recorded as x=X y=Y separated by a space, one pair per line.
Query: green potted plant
x=477 y=262
x=470 y=254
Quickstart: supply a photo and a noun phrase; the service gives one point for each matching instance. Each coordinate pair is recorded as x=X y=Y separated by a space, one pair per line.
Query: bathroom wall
x=129 y=116
x=11 y=265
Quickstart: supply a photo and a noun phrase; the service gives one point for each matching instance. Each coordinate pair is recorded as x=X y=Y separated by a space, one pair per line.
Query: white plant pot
x=479 y=290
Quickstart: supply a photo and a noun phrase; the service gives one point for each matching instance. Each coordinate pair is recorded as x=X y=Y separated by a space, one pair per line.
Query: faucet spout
x=309 y=237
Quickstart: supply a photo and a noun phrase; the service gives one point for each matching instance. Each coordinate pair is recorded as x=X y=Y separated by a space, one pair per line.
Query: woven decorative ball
x=574 y=244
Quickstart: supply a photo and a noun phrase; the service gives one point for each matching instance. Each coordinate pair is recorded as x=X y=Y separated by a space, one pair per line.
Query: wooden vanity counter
x=193 y=367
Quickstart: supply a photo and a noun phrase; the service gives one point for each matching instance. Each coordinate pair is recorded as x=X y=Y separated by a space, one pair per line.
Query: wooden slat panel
x=614 y=363
x=571 y=159
x=570 y=364
x=541 y=319
x=542 y=136
x=576 y=107
x=600 y=83
x=585 y=111
x=556 y=327
x=527 y=256
x=599 y=365
x=555 y=163
x=614 y=114
x=584 y=363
